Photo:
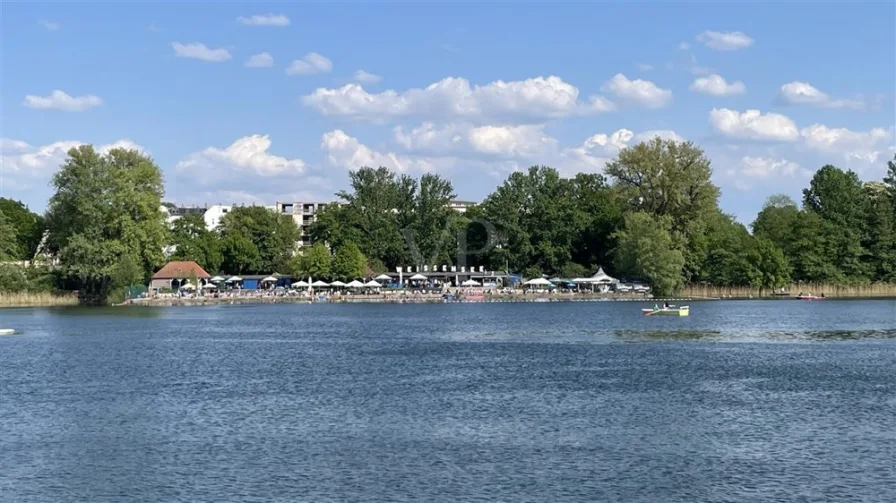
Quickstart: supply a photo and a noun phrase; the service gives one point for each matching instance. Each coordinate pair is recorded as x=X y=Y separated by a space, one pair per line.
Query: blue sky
x=771 y=91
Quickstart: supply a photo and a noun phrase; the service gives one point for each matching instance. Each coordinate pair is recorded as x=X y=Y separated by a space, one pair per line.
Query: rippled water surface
x=741 y=401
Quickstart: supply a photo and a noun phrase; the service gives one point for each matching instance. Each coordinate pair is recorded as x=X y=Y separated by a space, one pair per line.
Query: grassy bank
x=38 y=299
x=829 y=290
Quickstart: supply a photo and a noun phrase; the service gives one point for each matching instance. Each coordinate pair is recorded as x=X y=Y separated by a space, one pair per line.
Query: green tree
x=428 y=228
x=316 y=261
x=771 y=263
x=645 y=248
x=195 y=242
x=273 y=237
x=29 y=227
x=879 y=238
x=348 y=262
x=106 y=207
x=9 y=248
x=599 y=208
x=239 y=253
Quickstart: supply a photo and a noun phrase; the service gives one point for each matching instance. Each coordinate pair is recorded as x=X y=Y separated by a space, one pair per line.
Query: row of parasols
x=374 y=283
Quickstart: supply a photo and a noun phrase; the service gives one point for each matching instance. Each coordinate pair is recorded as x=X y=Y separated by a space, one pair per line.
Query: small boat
x=7 y=331
x=668 y=311
x=809 y=297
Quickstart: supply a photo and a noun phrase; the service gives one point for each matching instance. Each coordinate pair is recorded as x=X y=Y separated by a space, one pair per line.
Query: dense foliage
x=28 y=228
x=654 y=216
x=104 y=219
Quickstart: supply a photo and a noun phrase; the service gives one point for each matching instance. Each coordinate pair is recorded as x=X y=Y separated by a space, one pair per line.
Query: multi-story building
x=304 y=214
x=460 y=206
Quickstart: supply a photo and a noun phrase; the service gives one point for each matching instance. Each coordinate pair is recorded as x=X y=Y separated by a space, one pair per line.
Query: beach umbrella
x=538 y=282
x=418 y=277
x=210 y=285
x=234 y=279
x=383 y=277
x=372 y=284
x=269 y=279
x=470 y=282
x=337 y=283
x=355 y=284
x=320 y=283
x=217 y=279
x=188 y=286
x=300 y=284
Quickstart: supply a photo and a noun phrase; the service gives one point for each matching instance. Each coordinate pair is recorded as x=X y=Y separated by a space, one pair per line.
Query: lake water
x=742 y=401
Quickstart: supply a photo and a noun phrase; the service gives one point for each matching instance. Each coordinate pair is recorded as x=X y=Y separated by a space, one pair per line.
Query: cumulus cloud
x=466 y=140
x=753 y=125
x=641 y=92
x=196 y=50
x=261 y=60
x=366 y=77
x=59 y=100
x=245 y=156
x=27 y=169
x=312 y=63
x=803 y=93
x=725 y=41
x=766 y=167
x=347 y=152
x=716 y=85
x=852 y=145
x=264 y=20
x=539 y=97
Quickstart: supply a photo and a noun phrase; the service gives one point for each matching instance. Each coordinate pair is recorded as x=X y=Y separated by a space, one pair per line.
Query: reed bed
x=829 y=290
x=38 y=299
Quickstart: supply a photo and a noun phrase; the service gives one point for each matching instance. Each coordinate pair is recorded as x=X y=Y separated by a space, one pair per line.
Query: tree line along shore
x=653 y=215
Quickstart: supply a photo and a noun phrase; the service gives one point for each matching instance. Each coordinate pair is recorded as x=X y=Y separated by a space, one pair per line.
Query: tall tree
x=315 y=261
x=29 y=227
x=428 y=229
x=9 y=248
x=348 y=262
x=645 y=248
x=195 y=242
x=105 y=208
x=273 y=236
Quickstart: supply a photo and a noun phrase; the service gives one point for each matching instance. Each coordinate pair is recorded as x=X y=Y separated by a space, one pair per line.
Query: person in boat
x=666 y=305
x=822 y=295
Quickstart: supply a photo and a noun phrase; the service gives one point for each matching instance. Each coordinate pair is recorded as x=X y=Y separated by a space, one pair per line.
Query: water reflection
x=751 y=335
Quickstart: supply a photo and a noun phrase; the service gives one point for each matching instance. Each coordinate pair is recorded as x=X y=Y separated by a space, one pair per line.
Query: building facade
x=304 y=214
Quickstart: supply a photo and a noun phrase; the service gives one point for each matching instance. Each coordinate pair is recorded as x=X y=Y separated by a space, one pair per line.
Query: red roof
x=180 y=269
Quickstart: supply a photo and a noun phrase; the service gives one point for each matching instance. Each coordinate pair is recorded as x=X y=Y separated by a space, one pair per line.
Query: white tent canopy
x=234 y=279
x=538 y=282
x=217 y=279
x=337 y=283
x=320 y=283
x=470 y=282
x=372 y=284
x=599 y=278
x=418 y=277
x=355 y=284
x=383 y=277
x=300 y=284
x=188 y=286
x=210 y=285
x=269 y=279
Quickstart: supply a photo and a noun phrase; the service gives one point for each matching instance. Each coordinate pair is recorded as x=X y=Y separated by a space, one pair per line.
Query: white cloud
x=753 y=125
x=806 y=94
x=683 y=46
x=539 y=97
x=665 y=134
x=725 y=41
x=260 y=60
x=347 y=152
x=25 y=167
x=852 y=145
x=312 y=63
x=48 y=25
x=59 y=100
x=766 y=167
x=716 y=85
x=366 y=77
x=511 y=141
x=466 y=140
x=264 y=20
x=245 y=156
x=196 y=50
x=641 y=92
x=644 y=67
